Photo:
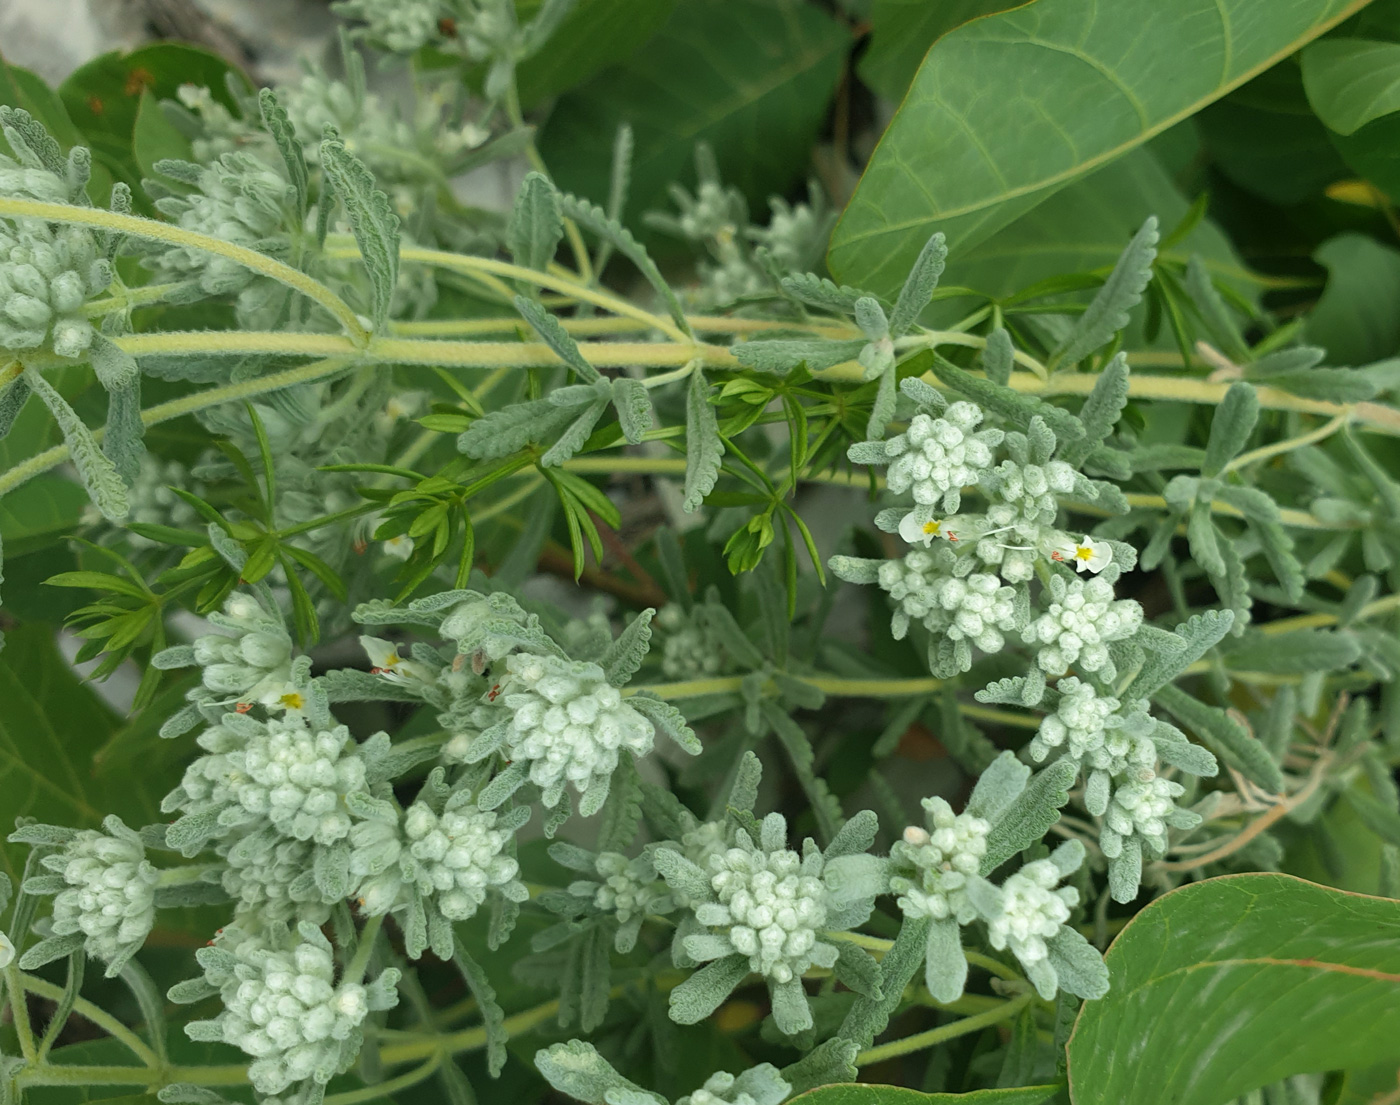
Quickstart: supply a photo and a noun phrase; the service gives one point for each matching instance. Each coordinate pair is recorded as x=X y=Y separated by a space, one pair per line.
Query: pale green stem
x=933 y=1036
x=176 y=408
x=607 y=324
x=392 y=1086
x=139 y=227
x=355 y=969
x=100 y=1017
x=19 y=1011
x=1264 y=452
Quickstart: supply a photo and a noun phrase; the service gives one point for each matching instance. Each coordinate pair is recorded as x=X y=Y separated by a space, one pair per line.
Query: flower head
x=1087 y=555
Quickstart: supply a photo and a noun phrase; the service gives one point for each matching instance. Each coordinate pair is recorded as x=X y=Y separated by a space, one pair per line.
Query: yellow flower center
x=1083 y=552
x=932 y=527
x=292 y=700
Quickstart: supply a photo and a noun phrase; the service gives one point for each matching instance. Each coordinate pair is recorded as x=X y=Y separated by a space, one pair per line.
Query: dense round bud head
x=936 y=457
x=689 y=650
x=298 y=778
x=109 y=896
x=569 y=723
x=460 y=856
x=47 y=275
x=1032 y=911
x=934 y=864
x=1078 y=625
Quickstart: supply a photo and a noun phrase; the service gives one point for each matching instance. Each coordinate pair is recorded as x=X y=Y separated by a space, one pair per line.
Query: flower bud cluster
x=298 y=777
x=690 y=650
x=936 y=457
x=109 y=893
x=1032 y=912
x=251 y=661
x=1081 y=620
x=569 y=723
x=283 y=1006
x=270 y=877
x=770 y=908
x=460 y=856
x=629 y=887
x=238 y=199
x=938 y=861
x=1141 y=810
x=760 y=1085
x=47 y=274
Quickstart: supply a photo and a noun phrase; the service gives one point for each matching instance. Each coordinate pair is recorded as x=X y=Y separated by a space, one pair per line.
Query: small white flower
x=400 y=547
x=1087 y=555
x=920 y=533
x=385 y=660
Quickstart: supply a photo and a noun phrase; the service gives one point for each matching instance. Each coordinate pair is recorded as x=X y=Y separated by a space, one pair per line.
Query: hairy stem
x=946 y=1032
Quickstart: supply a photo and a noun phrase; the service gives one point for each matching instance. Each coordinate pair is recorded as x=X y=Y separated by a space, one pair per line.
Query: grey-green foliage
x=1107 y=313
x=372 y=219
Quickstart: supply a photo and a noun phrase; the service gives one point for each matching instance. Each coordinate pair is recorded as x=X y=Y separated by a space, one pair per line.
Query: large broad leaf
x=750 y=77
x=1236 y=982
x=38 y=512
x=1352 y=81
x=596 y=34
x=1355 y=319
x=1085 y=227
x=51 y=728
x=857 y=1093
x=901 y=32
x=1079 y=83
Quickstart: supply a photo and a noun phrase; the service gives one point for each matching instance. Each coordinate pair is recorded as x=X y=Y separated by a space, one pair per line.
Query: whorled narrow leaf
x=372 y=219
x=98 y=473
x=704 y=450
x=1230 y=428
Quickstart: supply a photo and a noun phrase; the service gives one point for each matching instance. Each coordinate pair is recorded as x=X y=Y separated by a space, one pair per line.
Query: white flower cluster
x=1142 y=809
x=936 y=457
x=109 y=894
x=771 y=910
x=689 y=649
x=1081 y=620
x=1032 y=912
x=283 y=1007
x=629 y=888
x=402 y=26
x=238 y=199
x=460 y=855
x=269 y=876
x=298 y=777
x=47 y=274
x=943 y=857
x=249 y=663
x=977 y=607
x=569 y=723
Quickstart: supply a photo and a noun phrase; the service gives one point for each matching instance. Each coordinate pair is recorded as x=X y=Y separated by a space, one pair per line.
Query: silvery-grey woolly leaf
x=576 y=1069
x=229 y=550
x=817 y=291
x=574 y=436
x=492 y=1016
x=1204 y=539
x=1296 y=652
x=187 y=1093
x=855 y=881
x=704 y=449
x=999 y=786
x=945 y=965
x=882 y=410
x=553 y=334
x=1101 y=410
x=791 y=1013
x=1230 y=427
x=778 y=358
x=31 y=142
x=510 y=779
x=276 y=122
x=99 y=475
x=704 y=991
x=622 y=814
x=855 y=836
x=1387 y=489
x=50 y=949
x=923 y=395
x=509 y=429
x=42 y=834
x=1079 y=967
x=1277 y=546
x=680 y=874
x=1116 y=464
x=998 y=356
x=743 y=793
x=625 y=655
x=920 y=285
x=1156 y=458
x=855 y=569
x=1175 y=749
x=123 y=442
x=350 y=685
x=12 y=400
x=1125 y=871
x=1233 y=585
x=1030 y=815
x=870 y=317
x=668 y=721
x=372 y=219
x=635 y=414
x=1333 y=385
x=594 y=218
x=763 y=1084
x=1234 y=743
x=178 y=656
x=1107 y=313
x=1165 y=661
x=536 y=226
x=829 y=1062
x=113 y=367
x=1219 y=323
x=1012 y=405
